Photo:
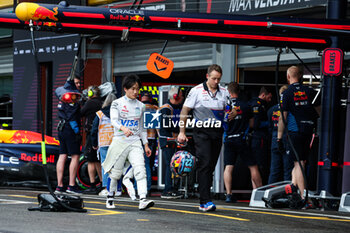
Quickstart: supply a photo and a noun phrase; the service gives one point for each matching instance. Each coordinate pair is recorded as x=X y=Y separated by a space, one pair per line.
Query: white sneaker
x=145 y=204
x=134 y=198
x=110 y=202
x=103 y=193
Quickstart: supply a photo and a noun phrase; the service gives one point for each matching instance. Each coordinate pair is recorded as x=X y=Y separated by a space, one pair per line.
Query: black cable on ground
x=41 y=119
x=285 y=122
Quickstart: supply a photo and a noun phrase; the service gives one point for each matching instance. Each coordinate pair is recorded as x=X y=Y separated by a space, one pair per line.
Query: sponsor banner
x=46 y=50
x=20 y=149
x=17 y=156
x=23 y=162
x=255 y=7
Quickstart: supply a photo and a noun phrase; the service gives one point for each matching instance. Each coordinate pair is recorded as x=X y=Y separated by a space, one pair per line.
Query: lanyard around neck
x=212 y=95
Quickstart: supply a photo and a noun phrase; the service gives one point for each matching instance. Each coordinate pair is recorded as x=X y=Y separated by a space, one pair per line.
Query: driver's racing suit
x=128 y=113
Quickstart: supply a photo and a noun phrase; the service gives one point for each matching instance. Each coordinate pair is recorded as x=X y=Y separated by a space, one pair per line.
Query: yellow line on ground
x=94 y=202
x=142 y=220
x=23 y=196
x=289 y=215
x=199 y=213
x=181 y=211
x=100 y=212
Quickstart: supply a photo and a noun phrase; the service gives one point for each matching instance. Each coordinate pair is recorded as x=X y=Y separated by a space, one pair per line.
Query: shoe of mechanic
x=73 y=190
x=209 y=206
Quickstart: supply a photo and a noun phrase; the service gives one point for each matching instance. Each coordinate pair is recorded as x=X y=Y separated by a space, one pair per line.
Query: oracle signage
x=332 y=61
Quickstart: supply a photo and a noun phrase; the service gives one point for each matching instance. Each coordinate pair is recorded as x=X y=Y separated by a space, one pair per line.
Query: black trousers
x=208 y=144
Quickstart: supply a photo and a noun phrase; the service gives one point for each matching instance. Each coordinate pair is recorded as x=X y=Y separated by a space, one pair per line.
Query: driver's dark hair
x=130 y=81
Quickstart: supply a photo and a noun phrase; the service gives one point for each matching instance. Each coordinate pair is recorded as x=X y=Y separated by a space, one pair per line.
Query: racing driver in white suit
x=127 y=120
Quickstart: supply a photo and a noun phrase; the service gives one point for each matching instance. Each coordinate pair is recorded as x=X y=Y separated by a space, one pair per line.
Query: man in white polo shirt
x=208 y=103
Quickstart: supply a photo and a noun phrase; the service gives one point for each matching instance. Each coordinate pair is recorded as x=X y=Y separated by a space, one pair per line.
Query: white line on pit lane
x=9 y=201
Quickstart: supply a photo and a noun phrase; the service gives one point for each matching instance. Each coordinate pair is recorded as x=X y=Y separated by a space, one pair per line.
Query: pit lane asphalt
x=166 y=216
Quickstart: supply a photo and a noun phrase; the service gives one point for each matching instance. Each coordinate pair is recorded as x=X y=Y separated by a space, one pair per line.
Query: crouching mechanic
x=127 y=119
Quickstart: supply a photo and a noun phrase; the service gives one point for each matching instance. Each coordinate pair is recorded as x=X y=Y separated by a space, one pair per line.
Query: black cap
x=146 y=93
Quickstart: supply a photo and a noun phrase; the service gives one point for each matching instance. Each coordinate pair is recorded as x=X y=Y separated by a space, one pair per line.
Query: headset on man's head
x=91 y=91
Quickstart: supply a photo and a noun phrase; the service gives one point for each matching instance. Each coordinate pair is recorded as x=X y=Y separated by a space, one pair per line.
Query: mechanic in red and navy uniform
x=300 y=115
x=235 y=142
x=207 y=100
x=259 y=124
x=281 y=164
